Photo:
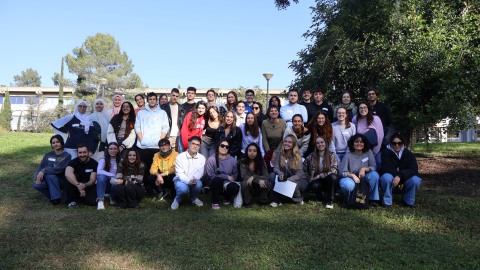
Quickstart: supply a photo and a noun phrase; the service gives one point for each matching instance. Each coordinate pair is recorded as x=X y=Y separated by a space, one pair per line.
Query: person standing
x=365 y=121
x=194 y=123
x=232 y=134
x=213 y=126
x=346 y=101
x=78 y=128
x=342 y=131
x=176 y=114
x=258 y=111
x=211 y=102
x=251 y=133
x=240 y=114
x=301 y=133
x=121 y=129
x=81 y=174
x=140 y=100
x=190 y=104
x=232 y=100
x=288 y=111
x=307 y=97
x=150 y=126
x=381 y=110
x=250 y=97
x=117 y=102
x=189 y=168
x=319 y=105
x=100 y=120
x=50 y=176
x=163 y=99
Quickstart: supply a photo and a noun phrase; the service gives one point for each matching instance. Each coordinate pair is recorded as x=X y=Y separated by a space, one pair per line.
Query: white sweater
x=187 y=167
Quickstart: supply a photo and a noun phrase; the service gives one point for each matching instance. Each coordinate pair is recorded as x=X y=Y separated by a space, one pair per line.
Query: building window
x=51 y=101
x=17 y=100
x=1 y=100
x=68 y=101
x=30 y=100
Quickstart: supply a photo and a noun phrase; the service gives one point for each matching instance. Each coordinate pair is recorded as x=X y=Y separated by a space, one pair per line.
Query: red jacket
x=187 y=133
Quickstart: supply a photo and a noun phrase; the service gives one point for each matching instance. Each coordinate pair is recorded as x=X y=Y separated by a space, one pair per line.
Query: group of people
x=232 y=150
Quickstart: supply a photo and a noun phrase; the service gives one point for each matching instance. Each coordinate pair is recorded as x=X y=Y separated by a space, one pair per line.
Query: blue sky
x=213 y=43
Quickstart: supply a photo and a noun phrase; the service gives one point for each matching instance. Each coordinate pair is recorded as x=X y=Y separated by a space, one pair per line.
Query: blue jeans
x=340 y=156
x=104 y=186
x=378 y=160
x=183 y=189
x=207 y=148
x=408 y=191
x=51 y=186
x=347 y=185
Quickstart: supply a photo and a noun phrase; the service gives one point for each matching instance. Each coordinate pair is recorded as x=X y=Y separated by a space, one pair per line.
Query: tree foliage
x=259 y=95
x=100 y=57
x=422 y=56
x=6 y=113
x=28 y=78
x=284 y=4
x=36 y=119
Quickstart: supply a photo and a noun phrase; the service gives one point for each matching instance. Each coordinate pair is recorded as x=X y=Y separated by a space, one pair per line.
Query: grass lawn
x=443 y=232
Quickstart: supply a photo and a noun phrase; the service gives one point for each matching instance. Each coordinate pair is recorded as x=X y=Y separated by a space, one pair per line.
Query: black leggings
x=167 y=183
x=216 y=187
x=327 y=184
x=129 y=195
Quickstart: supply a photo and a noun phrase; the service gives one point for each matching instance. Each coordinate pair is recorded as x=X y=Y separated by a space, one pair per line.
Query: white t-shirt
x=174 y=112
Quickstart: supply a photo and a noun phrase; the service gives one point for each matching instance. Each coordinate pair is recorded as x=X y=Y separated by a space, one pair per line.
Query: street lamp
x=267 y=76
x=103 y=81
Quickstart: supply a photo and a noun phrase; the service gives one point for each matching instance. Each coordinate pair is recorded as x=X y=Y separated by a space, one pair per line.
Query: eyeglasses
x=363 y=108
x=224 y=146
x=256 y=108
x=341 y=113
x=249 y=95
x=396 y=143
x=82 y=107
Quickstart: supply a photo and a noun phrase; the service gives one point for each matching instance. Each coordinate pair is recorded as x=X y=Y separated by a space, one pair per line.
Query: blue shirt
x=248 y=108
x=287 y=112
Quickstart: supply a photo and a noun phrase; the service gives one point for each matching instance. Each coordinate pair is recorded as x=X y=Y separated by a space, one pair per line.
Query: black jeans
x=249 y=191
x=216 y=187
x=327 y=184
x=146 y=156
x=167 y=183
x=129 y=195
x=73 y=195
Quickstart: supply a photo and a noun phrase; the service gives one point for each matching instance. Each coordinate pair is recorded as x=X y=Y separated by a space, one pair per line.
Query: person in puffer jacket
x=400 y=170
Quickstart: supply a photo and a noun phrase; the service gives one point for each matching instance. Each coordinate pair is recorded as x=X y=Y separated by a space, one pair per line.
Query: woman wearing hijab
x=100 y=120
x=117 y=106
x=76 y=128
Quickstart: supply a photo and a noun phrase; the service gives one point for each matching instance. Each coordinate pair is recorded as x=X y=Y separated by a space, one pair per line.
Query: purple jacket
x=226 y=167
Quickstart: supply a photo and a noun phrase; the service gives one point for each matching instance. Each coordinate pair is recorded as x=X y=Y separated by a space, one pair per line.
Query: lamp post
x=102 y=82
x=267 y=76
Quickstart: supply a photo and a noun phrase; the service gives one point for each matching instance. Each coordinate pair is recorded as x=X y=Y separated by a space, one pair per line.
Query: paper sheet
x=285 y=188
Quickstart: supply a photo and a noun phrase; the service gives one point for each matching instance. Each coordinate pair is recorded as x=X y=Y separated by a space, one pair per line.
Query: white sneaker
x=329 y=205
x=197 y=202
x=273 y=204
x=112 y=201
x=100 y=205
x=175 y=204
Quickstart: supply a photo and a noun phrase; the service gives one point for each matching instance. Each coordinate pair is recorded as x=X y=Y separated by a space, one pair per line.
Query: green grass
x=442 y=233
x=447 y=149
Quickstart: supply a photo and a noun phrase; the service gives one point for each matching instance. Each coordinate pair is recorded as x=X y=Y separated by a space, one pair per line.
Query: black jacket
x=381 y=110
x=235 y=142
x=181 y=116
x=312 y=109
x=407 y=165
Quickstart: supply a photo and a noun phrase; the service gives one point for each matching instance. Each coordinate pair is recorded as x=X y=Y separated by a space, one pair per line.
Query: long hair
x=326 y=130
x=118 y=118
x=277 y=99
x=195 y=115
x=297 y=158
x=347 y=123
x=126 y=164
x=233 y=126
x=107 y=156
x=252 y=129
x=219 y=117
x=131 y=114
x=217 y=152
x=258 y=162
x=232 y=106
x=60 y=140
x=326 y=157
x=369 y=114
x=301 y=132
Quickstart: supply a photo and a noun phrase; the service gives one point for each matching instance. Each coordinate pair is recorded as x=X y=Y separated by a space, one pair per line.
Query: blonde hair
x=297 y=158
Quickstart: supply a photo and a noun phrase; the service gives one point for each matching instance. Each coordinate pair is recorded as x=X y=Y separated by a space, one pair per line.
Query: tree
x=259 y=95
x=6 y=113
x=100 y=57
x=423 y=57
x=28 y=78
x=283 y=4
x=19 y=122
x=36 y=120
x=59 y=81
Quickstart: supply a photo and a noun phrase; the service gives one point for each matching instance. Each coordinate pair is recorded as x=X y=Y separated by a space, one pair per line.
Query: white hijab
x=83 y=117
x=102 y=118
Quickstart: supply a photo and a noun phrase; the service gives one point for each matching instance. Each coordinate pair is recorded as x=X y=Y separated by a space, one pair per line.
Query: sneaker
x=386 y=206
x=205 y=189
x=225 y=202
x=160 y=196
x=100 y=205
x=299 y=203
x=329 y=205
x=373 y=205
x=409 y=205
x=273 y=204
x=215 y=206
x=54 y=202
x=72 y=205
x=197 y=202
x=247 y=205
x=175 y=204
x=112 y=201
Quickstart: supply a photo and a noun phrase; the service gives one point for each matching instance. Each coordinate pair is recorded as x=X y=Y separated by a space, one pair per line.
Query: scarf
x=102 y=119
x=165 y=154
x=116 y=110
x=83 y=117
x=349 y=107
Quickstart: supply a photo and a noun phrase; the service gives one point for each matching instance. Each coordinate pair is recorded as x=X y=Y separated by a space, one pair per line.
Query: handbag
x=359 y=196
x=372 y=137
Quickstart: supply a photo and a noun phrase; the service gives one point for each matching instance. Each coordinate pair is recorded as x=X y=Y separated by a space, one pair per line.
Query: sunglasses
x=256 y=108
x=224 y=146
x=396 y=143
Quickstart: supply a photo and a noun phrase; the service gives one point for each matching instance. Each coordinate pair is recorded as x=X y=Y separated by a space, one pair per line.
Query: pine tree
x=19 y=122
x=6 y=113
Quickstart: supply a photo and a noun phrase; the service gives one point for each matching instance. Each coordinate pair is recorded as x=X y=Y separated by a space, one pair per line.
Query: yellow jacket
x=161 y=164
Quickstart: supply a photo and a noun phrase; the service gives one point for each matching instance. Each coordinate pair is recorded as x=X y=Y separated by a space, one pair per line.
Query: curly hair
x=297 y=158
x=195 y=115
x=259 y=162
x=126 y=164
x=351 y=143
x=277 y=99
x=326 y=130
